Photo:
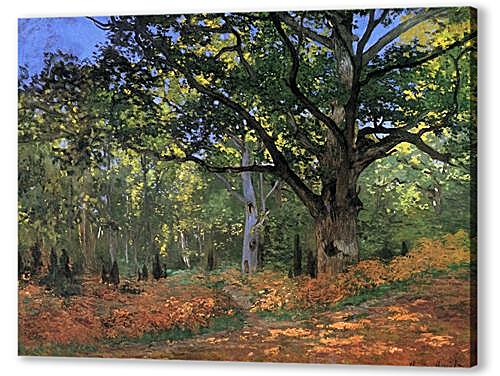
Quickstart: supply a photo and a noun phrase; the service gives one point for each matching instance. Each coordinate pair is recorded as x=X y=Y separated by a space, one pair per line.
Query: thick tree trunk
x=336 y=241
x=336 y=222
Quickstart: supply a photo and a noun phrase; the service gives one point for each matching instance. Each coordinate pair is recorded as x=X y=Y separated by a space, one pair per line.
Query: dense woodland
x=297 y=142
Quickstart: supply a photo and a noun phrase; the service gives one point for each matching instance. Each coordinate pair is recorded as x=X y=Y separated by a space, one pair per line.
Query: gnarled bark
x=336 y=225
x=336 y=241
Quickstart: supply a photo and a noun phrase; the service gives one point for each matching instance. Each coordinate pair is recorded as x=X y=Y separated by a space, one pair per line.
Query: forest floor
x=421 y=320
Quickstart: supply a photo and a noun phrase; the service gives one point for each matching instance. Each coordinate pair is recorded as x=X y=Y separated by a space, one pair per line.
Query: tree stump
x=145 y=275
x=405 y=247
x=210 y=259
x=36 y=255
x=104 y=274
x=114 y=274
x=20 y=266
x=297 y=257
x=53 y=266
x=157 y=272
x=385 y=253
x=312 y=264
x=65 y=265
x=164 y=271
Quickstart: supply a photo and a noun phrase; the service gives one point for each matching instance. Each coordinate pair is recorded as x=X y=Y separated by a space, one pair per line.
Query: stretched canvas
x=295 y=186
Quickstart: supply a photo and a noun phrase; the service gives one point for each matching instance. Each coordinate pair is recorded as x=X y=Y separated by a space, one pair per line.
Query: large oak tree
x=321 y=92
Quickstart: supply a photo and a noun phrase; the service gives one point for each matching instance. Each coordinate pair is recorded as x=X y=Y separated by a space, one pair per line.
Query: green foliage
x=288 y=218
x=117 y=154
x=407 y=197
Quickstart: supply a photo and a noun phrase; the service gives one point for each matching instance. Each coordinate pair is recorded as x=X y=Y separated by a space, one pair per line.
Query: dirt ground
x=428 y=324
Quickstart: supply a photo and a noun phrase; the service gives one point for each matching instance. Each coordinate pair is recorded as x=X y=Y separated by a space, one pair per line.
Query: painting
x=294 y=186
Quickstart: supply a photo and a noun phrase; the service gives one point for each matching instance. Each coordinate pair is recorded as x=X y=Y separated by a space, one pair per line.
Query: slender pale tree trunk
x=136 y=260
x=253 y=235
x=92 y=238
x=126 y=248
x=83 y=237
x=262 y=231
x=111 y=246
x=250 y=236
x=184 y=255
x=127 y=233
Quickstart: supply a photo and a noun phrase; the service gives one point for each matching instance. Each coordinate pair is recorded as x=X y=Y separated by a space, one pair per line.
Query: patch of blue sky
x=79 y=36
x=74 y=35
x=380 y=30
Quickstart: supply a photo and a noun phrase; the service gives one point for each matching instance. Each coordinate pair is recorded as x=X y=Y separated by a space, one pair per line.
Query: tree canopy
x=316 y=97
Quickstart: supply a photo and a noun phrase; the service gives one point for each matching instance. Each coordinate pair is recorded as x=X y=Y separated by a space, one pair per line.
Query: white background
x=489 y=249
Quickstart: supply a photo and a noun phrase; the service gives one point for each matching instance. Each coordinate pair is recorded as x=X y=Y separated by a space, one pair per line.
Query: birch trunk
x=250 y=237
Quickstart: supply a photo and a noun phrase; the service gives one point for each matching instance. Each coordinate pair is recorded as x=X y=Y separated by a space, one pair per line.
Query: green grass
x=217 y=285
x=464 y=270
x=368 y=294
x=460 y=271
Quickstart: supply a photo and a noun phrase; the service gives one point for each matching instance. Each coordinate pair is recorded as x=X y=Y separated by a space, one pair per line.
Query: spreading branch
x=280 y=168
x=386 y=147
x=372 y=24
x=230 y=188
x=445 y=121
x=292 y=84
x=276 y=185
x=101 y=25
x=238 y=48
x=297 y=27
x=270 y=169
x=400 y=29
x=380 y=129
x=415 y=62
